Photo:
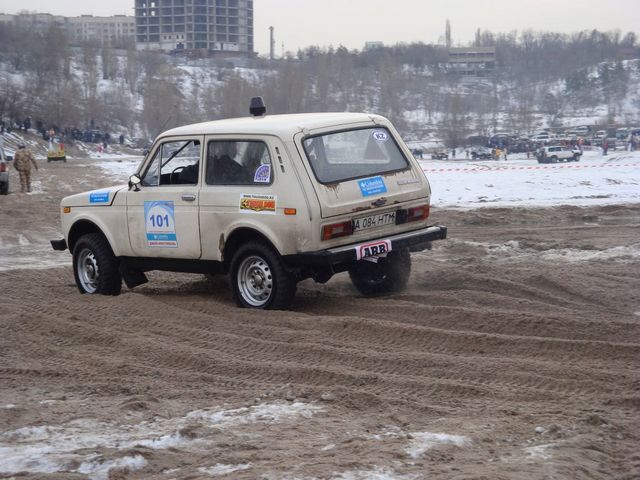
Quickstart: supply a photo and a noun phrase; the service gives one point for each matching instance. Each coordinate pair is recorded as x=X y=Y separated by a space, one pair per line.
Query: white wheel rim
x=88 y=271
x=255 y=281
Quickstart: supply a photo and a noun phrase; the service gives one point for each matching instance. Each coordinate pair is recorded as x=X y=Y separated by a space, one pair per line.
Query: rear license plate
x=373 y=249
x=374 y=221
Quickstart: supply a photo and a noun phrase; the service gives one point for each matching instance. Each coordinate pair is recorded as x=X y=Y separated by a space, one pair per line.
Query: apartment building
x=102 y=29
x=79 y=29
x=207 y=25
x=34 y=22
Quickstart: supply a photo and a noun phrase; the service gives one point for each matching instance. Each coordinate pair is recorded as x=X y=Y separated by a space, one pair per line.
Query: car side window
x=174 y=163
x=238 y=162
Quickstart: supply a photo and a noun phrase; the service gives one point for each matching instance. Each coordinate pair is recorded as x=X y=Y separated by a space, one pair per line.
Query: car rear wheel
x=95 y=267
x=4 y=188
x=259 y=280
x=388 y=275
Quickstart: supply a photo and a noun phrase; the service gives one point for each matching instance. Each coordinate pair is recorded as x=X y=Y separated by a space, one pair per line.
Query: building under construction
x=212 y=26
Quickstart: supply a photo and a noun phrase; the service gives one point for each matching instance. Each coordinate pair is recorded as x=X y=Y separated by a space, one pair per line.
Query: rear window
x=336 y=157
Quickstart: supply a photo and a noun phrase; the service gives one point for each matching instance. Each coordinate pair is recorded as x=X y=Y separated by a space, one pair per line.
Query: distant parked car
x=440 y=155
x=557 y=154
x=481 y=153
x=542 y=137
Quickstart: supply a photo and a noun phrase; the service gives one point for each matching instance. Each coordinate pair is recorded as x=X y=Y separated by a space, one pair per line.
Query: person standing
x=22 y=161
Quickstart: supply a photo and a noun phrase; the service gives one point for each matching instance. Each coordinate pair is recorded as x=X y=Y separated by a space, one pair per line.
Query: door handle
x=189 y=197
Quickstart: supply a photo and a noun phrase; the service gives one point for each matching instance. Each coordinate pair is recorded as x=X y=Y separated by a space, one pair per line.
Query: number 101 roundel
x=160 y=224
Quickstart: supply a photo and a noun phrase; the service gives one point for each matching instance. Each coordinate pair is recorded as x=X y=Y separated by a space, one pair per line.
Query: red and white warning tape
x=531 y=167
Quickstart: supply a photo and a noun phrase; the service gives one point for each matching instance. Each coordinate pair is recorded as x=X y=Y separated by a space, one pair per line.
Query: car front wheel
x=95 y=267
x=388 y=275
x=259 y=280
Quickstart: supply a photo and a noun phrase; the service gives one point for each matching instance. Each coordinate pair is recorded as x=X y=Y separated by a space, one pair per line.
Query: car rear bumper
x=415 y=241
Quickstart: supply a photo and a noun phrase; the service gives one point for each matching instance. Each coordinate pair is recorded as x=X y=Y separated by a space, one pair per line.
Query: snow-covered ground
x=93 y=448
x=594 y=180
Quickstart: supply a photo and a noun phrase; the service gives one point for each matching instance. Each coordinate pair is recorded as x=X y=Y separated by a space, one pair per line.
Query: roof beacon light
x=258 y=108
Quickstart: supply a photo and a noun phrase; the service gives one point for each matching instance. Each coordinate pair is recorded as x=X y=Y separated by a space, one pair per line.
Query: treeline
x=45 y=78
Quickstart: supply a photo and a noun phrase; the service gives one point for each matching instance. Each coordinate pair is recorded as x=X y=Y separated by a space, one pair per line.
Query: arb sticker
x=372 y=186
x=373 y=249
x=263 y=204
x=160 y=225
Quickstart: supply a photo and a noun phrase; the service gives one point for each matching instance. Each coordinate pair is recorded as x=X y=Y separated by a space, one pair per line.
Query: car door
x=162 y=212
x=239 y=188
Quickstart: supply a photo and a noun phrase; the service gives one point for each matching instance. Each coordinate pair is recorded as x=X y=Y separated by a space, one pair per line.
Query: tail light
x=3 y=167
x=416 y=214
x=337 y=230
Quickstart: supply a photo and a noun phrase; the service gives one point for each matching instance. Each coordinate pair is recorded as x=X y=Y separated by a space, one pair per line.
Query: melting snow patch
x=9 y=406
x=539 y=451
x=423 y=441
x=22 y=240
x=220 y=469
x=264 y=413
x=393 y=432
x=98 y=469
x=50 y=449
x=376 y=474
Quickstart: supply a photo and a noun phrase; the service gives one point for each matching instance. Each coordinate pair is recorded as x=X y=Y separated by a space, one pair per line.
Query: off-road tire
x=258 y=278
x=553 y=159
x=4 y=188
x=100 y=274
x=389 y=275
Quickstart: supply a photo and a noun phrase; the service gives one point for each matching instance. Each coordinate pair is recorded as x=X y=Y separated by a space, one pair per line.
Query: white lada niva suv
x=269 y=200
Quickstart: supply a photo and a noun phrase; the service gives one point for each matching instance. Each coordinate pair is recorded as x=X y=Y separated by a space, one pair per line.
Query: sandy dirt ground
x=513 y=354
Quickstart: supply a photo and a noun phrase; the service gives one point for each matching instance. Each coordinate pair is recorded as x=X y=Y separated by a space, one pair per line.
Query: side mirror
x=134 y=182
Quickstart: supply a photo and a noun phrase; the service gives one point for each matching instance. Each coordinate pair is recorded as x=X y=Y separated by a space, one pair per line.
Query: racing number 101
x=159 y=221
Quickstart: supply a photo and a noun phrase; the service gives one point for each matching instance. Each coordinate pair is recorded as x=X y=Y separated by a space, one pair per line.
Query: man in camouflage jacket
x=22 y=160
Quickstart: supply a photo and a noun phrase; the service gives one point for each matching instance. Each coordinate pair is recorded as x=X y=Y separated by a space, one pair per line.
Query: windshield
x=340 y=156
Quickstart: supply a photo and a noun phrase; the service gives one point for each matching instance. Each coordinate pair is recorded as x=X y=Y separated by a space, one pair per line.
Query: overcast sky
x=300 y=23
